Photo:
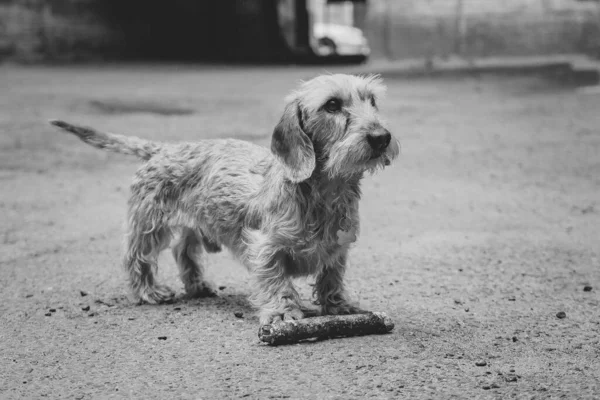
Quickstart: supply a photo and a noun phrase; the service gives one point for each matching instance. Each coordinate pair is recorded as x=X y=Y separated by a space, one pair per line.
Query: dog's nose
x=379 y=141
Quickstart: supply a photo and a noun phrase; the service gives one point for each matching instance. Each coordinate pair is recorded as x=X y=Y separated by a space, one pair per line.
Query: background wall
x=32 y=30
x=422 y=28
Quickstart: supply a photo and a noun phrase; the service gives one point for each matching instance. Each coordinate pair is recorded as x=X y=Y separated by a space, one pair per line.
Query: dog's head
x=333 y=122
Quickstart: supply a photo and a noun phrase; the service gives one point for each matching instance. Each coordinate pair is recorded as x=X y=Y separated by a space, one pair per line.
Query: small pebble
x=510 y=379
x=587 y=288
x=512 y=370
x=131 y=319
x=86 y=308
x=28 y=296
x=515 y=339
x=52 y=310
x=162 y=338
x=486 y=387
x=222 y=287
x=512 y=298
x=458 y=301
x=82 y=293
x=48 y=314
x=92 y=314
x=481 y=363
x=495 y=386
x=561 y=314
x=466 y=309
x=177 y=309
x=238 y=314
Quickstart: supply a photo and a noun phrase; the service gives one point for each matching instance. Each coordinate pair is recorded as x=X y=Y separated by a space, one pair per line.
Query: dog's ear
x=292 y=146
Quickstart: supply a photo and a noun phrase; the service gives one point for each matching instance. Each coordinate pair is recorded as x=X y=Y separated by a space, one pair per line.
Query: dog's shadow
x=234 y=304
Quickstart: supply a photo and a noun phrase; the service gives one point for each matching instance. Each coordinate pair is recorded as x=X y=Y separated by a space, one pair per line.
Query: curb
x=575 y=69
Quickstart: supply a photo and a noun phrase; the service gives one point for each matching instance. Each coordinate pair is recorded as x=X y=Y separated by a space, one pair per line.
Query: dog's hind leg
x=140 y=262
x=188 y=255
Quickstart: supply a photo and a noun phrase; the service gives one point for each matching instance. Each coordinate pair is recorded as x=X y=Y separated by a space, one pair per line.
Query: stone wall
x=32 y=30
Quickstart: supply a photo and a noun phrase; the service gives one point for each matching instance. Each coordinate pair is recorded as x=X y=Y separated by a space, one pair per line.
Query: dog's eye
x=333 y=105
x=373 y=103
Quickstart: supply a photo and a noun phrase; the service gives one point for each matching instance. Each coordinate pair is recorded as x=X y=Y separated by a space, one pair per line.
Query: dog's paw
x=271 y=317
x=341 y=309
x=200 y=290
x=159 y=294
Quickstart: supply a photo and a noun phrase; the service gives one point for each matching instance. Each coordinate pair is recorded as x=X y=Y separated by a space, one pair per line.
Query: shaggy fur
x=284 y=213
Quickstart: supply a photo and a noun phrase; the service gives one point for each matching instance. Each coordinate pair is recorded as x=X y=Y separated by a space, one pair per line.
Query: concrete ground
x=485 y=230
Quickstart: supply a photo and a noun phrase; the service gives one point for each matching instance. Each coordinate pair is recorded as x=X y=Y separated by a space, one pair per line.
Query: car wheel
x=326 y=47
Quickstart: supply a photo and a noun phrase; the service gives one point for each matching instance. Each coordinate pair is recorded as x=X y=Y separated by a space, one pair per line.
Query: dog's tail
x=144 y=149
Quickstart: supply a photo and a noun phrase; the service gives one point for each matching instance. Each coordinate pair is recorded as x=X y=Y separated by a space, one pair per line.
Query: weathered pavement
x=485 y=229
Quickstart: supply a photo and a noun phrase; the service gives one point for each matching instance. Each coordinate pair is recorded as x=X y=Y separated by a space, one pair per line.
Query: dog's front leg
x=274 y=293
x=330 y=292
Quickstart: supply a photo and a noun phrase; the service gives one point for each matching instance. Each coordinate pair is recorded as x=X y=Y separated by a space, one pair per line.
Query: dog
x=284 y=213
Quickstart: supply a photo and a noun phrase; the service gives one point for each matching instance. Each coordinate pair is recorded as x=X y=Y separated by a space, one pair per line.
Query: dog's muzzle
x=379 y=141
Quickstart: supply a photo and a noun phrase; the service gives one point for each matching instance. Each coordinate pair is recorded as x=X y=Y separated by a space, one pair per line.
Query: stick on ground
x=329 y=326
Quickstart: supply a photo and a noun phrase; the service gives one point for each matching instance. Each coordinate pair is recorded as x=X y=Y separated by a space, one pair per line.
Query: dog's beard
x=380 y=160
x=353 y=155
x=377 y=163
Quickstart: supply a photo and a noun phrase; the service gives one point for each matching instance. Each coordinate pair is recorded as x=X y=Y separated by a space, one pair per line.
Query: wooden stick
x=329 y=326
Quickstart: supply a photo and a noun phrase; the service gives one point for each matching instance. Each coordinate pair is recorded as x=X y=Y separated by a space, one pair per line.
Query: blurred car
x=332 y=40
